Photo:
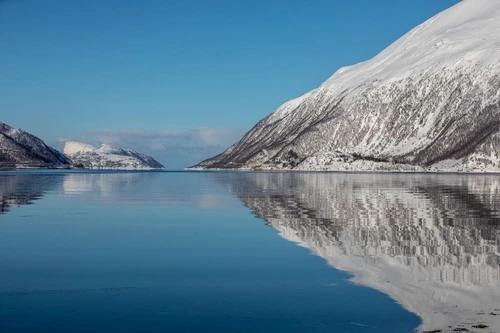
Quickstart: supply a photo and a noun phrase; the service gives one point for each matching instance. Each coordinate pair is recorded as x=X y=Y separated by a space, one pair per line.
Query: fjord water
x=217 y=252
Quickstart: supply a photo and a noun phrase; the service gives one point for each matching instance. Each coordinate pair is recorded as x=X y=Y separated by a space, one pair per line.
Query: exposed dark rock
x=19 y=149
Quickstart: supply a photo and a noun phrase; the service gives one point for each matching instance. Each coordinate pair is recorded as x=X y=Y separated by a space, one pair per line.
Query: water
x=217 y=252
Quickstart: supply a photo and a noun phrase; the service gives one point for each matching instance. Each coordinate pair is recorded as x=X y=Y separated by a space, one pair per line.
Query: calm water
x=218 y=252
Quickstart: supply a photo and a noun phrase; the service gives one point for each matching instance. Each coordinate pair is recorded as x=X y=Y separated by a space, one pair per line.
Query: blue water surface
x=165 y=252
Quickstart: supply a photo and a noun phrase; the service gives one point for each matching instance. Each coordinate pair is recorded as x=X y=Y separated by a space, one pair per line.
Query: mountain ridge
x=19 y=149
x=108 y=157
x=22 y=150
x=428 y=102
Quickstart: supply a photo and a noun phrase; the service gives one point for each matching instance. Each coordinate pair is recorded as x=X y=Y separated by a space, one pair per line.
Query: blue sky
x=180 y=79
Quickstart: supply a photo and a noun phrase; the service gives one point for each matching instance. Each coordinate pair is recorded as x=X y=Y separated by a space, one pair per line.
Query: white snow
x=107 y=157
x=434 y=80
x=71 y=148
x=467 y=32
x=286 y=108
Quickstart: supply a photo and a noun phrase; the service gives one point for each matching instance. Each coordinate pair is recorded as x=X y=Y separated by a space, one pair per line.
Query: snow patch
x=71 y=148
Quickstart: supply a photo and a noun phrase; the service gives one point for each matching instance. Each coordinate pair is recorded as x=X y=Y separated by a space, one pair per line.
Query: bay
x=217 y=252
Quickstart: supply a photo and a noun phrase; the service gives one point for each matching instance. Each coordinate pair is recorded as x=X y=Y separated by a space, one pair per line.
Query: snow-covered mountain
x=430 y=101
x=19 y=149
x=107 y=157
x=430 y=242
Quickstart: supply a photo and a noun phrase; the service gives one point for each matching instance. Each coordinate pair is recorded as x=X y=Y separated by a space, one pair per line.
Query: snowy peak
x=430 y=101
x=108 y=149
x=72 y=148
x=467 y=32
x=108 y=157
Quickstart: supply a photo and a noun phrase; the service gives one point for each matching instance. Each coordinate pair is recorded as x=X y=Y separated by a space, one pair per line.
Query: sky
x=179 y=79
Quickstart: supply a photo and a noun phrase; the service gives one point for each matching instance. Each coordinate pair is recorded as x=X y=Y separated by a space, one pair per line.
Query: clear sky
x=179 y=79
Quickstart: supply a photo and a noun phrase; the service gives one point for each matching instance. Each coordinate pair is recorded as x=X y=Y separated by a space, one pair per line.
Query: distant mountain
x=19 y=149
x=108 y=157
x=430 y=101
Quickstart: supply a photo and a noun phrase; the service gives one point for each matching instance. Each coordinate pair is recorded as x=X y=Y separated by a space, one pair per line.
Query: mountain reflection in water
x=24 y=189
x=431 y=242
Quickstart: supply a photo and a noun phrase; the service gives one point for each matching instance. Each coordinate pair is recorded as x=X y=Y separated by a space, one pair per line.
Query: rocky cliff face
x=19 y=149
x=432 y=243
x=430 y=101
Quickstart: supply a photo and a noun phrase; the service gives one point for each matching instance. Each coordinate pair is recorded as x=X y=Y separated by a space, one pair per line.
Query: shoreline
x=437 y=172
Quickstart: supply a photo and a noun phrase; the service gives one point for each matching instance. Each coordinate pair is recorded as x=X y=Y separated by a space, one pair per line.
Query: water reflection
x=431 y=242
x=24 y=189
x=113 y=188
x=147 y=188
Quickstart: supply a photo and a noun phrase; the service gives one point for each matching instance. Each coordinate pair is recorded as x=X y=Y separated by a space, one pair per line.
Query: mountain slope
x=108 y=157
x=21 y=149
x=430 y=101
